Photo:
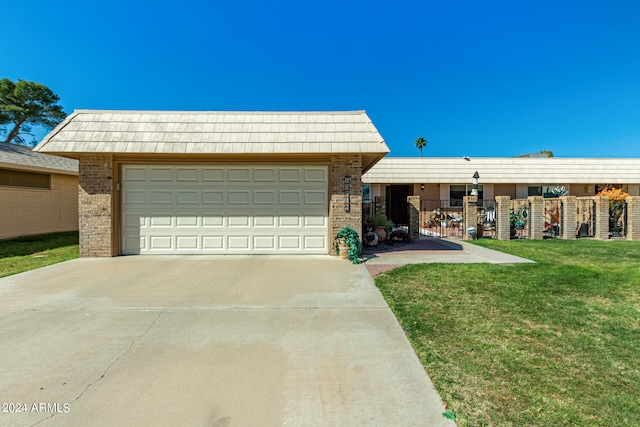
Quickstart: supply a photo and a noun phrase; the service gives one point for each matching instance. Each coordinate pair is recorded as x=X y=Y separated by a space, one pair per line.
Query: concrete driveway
x=206 y=341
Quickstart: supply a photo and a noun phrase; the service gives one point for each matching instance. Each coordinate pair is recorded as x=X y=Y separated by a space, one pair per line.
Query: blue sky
x=483 y=79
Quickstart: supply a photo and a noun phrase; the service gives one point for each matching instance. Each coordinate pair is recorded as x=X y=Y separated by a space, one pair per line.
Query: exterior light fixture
x=474 y=188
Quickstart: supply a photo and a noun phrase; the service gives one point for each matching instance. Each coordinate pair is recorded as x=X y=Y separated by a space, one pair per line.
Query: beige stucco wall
x=504 y=190
x=430 y=191
x=26 y=211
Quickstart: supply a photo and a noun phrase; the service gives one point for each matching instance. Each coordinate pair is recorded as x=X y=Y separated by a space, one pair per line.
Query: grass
x=31 y=252
x=555 y=343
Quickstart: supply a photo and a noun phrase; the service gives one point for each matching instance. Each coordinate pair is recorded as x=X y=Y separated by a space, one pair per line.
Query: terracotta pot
x=380 y=232
x=343 y=250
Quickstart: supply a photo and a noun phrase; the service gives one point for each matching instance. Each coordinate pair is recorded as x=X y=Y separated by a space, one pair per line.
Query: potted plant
x=515 y=221
x=381 y=225
x=348 y=244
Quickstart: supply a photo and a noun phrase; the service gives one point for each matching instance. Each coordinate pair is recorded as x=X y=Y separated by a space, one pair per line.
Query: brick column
x=602 y=217
x=633 y=217
x=503 y=225
x=349 y=165
x=536 y=217
x=414 y=217
x=569 y=217
x=95 y=201
x=470 y=216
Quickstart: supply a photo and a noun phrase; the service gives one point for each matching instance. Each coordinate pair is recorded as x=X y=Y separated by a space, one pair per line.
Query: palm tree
x=420 y=144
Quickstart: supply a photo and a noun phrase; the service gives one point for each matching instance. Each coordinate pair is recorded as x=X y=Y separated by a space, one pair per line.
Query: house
x=38 y=192
x=159 y=182
x=448 y=180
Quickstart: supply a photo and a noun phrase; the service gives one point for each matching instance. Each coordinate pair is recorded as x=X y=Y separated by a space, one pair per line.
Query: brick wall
x=96 y=206
x=26 y=211
x=503 y=224
x=341 y=166
x=536 y=217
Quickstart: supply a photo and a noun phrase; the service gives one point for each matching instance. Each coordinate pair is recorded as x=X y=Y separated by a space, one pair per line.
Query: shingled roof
x=502 y=170
x=19 y=157
x=187 y=132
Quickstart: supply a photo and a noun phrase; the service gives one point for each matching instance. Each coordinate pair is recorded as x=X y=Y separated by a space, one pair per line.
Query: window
x=547 y=191
x=457 y=193
x=534 y=191
x=12 y=178
x=366 y=193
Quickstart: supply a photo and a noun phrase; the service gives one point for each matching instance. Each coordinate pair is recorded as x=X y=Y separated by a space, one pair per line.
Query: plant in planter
x=381 y=225
x=347 y=240
x=515 y=221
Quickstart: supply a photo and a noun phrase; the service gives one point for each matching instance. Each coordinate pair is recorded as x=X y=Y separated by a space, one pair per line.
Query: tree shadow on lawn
x=30 y=245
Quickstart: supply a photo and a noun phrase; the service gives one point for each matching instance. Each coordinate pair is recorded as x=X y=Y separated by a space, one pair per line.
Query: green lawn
x=28 y=253
x=555 y=343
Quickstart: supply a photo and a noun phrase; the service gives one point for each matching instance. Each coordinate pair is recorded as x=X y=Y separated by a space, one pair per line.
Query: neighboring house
x=38 y=192
x=450 y=179
x=158 y=182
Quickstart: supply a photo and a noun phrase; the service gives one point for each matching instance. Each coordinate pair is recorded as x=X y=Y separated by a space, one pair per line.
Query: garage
x=225 y=209
x=216 y=182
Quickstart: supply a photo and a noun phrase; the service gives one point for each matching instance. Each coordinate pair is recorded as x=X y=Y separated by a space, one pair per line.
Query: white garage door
x=239 y=209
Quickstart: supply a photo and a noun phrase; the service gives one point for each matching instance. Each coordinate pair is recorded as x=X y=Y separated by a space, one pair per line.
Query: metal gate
x=486 y=219
x=617 y=218
x=439 y=219
x=519 y=219
x=552 y=218
x=585 y=217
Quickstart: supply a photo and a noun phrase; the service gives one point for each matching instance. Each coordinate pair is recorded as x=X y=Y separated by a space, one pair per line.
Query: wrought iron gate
x=585 y=217
x=439 y=219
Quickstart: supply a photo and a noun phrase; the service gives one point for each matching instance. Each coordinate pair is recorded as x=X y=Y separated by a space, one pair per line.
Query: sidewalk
x=432 y=250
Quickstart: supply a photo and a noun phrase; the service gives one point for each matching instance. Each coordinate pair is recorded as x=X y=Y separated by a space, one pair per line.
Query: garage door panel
x=264 y=197
x=315 y=221
x=264 y=220
x=288 y=174
x=264 y=243
x=161 y=197
x=264 y=174
x=239 y=220
x=161 y=221
x=187 y=221
x=160 y=174
x=210 y=220
x=187 y=197
x=135 y=197
x=315 y=242
x=224 y=209
x=290 y=221
x=213 y=174
x=239 y=174
x=237 y=197
x=238 y=242
x=187 y=242
x=160 y=242
x=315 y=198
x=187 y=175
x=213 y=243
x=289 y=197
x=315 y=175
x=290 y=242
x=213 y=197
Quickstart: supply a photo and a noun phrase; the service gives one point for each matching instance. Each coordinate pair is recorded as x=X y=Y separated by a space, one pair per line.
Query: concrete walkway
x=433 y=250
x=210 y=341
